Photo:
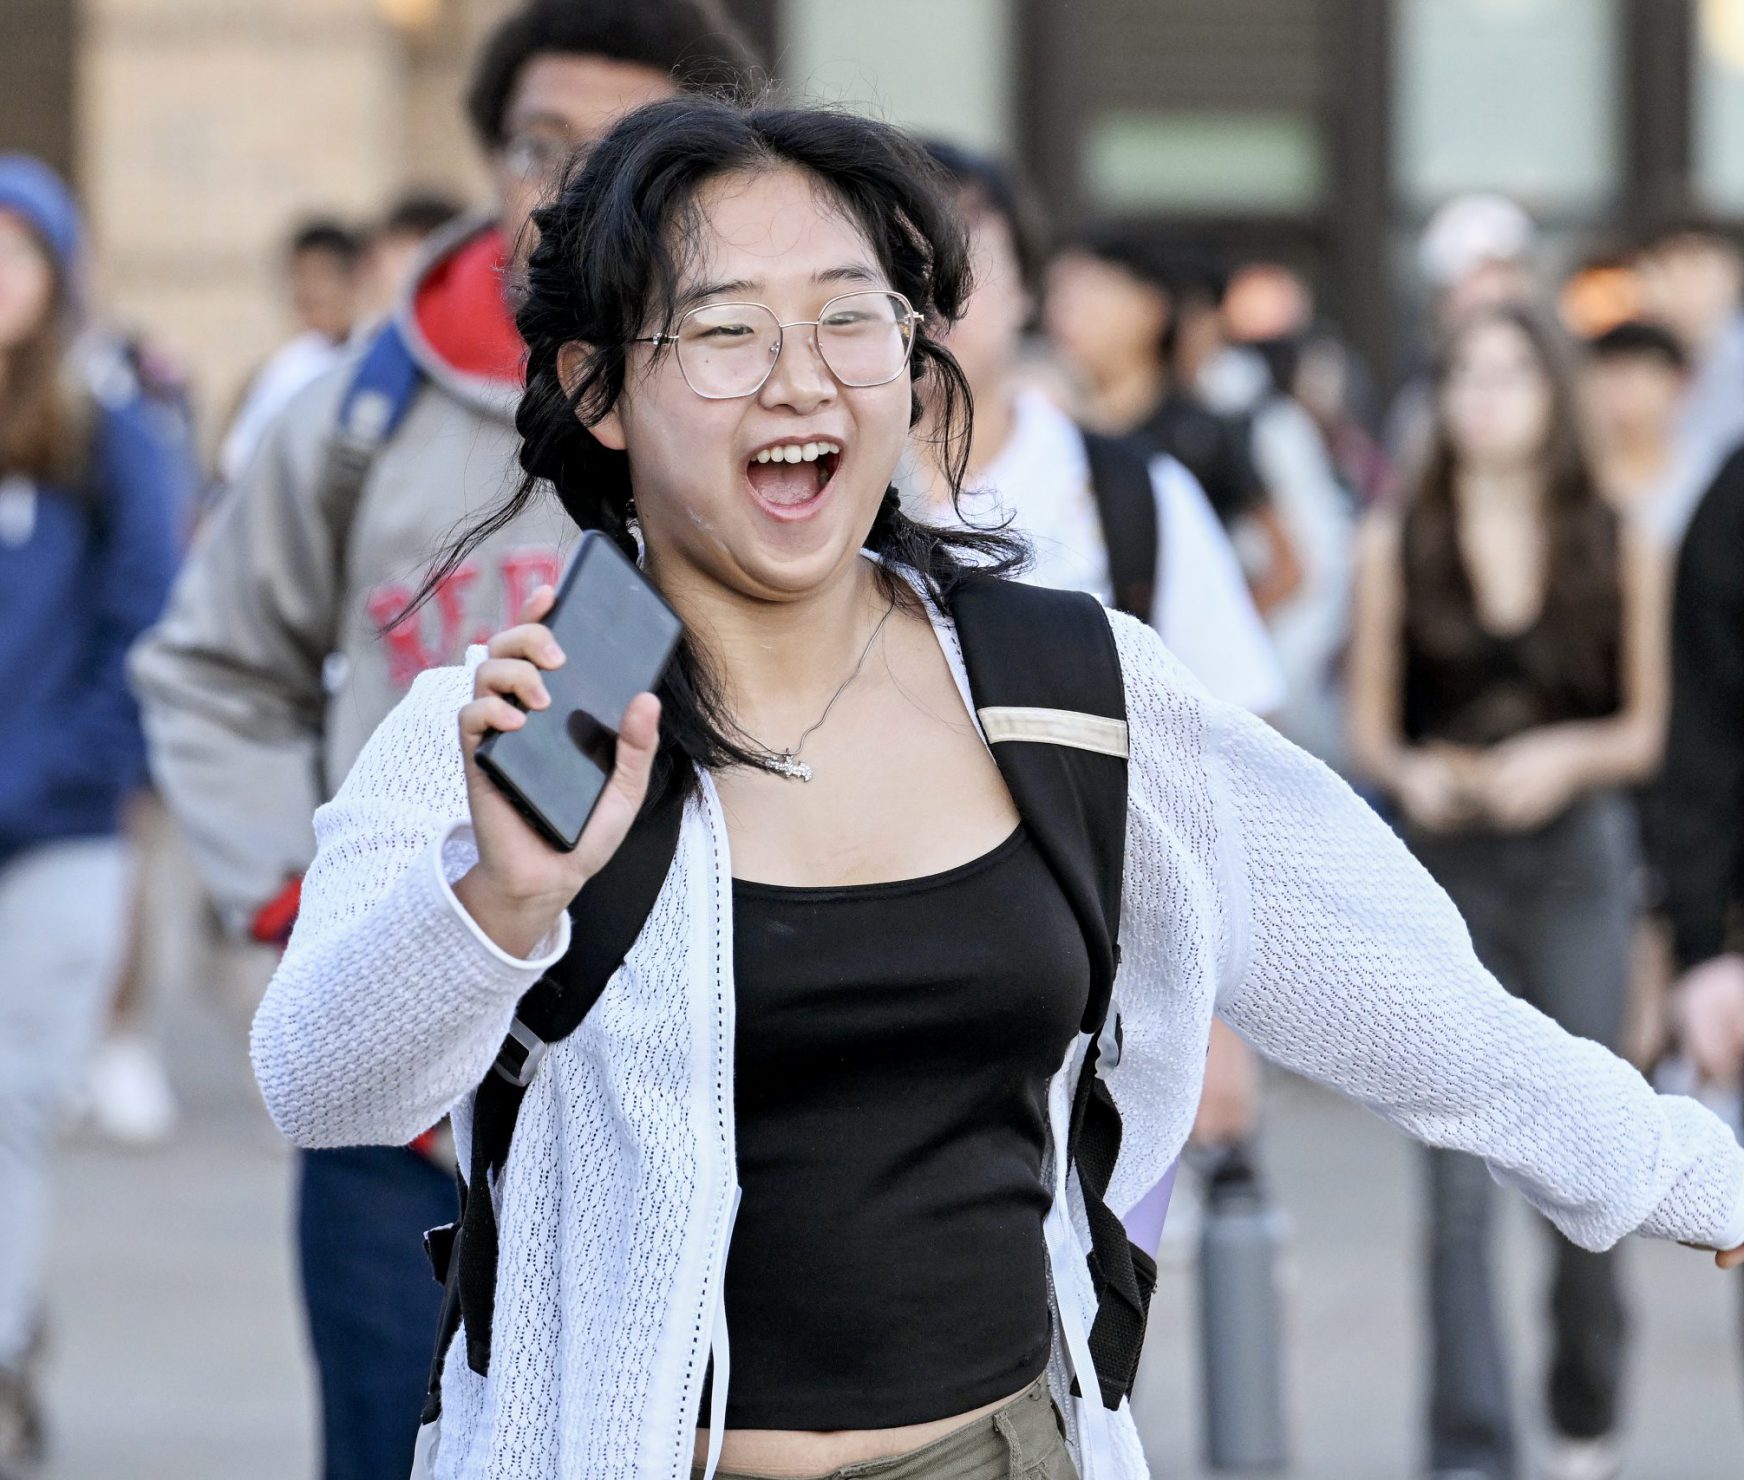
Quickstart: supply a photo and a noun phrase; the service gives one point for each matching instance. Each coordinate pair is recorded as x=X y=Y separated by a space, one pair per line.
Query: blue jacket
x=81 y=575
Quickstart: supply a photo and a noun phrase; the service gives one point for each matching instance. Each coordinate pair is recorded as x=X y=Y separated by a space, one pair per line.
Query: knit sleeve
x=390 y=1003
x=1348 y=964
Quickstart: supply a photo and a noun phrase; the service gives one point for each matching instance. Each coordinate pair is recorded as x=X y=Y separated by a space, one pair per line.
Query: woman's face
x=26 y=282
x=1495 y=402
x=1101 y=317
x=774 y=530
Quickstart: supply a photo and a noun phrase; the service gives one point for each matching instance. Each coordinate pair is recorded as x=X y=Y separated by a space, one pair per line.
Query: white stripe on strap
x=1055 y=727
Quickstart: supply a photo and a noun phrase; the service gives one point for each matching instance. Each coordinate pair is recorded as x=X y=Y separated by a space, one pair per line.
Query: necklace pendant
x=787 y=765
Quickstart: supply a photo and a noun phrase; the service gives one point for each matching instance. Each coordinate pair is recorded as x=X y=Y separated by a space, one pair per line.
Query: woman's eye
x=722 y=332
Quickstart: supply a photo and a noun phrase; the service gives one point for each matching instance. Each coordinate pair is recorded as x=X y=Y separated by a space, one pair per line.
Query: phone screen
x=617 y=634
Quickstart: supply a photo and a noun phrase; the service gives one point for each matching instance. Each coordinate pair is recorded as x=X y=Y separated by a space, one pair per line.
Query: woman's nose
x=799 y=377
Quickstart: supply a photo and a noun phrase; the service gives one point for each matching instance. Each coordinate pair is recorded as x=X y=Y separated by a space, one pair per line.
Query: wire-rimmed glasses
x=729 y=350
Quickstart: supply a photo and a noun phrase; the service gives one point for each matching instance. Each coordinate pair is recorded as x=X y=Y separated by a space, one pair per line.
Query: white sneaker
x=1581 y=1459
x=127 y=1094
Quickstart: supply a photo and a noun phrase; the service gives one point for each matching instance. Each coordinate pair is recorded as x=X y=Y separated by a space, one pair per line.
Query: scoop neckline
x=921 y=883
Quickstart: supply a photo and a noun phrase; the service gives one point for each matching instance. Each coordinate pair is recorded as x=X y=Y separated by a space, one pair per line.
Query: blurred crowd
x=1499 y=586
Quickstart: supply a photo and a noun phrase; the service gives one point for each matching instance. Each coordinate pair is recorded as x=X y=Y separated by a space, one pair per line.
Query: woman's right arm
x=391 y=1002
x=431 y=906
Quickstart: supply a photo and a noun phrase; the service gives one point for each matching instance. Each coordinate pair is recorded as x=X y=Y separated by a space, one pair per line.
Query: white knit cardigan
x=1256 y=884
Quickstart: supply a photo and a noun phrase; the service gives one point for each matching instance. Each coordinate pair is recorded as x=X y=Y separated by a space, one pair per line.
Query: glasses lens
x=865 y=337
x=725 y=349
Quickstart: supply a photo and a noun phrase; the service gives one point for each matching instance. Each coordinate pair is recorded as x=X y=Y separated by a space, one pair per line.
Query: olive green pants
x=1023 y=1440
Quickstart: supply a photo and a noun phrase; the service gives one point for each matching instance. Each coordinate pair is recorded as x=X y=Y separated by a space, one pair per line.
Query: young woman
x=1507 y=683
x=89 y=507
x=851 y=1017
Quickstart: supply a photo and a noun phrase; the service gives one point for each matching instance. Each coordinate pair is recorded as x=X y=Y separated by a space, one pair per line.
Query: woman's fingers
x=531 y=642
x=505 y=676
x=534 y=608
x=483 y=715
x=1730 y=1258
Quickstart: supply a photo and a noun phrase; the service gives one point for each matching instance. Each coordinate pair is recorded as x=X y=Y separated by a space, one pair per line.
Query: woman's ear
x=608 y=431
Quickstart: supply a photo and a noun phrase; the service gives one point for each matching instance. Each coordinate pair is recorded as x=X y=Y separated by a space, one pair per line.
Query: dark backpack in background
x=1126 y=504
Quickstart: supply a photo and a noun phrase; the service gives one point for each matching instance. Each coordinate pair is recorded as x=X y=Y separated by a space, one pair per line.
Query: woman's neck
x=779 y=662
x=1499 y=488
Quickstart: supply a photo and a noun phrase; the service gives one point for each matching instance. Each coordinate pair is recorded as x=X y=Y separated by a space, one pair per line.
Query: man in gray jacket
x=270 y=669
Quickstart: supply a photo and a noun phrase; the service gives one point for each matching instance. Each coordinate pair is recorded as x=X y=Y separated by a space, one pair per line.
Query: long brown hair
x=45 y=417
x=1578 y=629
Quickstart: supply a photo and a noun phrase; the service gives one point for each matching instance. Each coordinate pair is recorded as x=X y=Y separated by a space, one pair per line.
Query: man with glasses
x=270 y=670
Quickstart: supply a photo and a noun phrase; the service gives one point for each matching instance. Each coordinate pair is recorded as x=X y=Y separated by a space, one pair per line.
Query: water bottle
x=1241 y=1320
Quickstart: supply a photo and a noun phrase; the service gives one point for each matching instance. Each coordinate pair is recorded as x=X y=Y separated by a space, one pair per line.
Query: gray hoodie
x=268 y=671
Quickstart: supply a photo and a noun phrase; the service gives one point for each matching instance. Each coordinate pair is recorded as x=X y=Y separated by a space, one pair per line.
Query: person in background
x=390 y=256
x=272 y=667
x=1698 y=805
x=90 y=498
x=1111 y=310
x=1308 y=626
x=1691 y=277
x=1476 y=253
x=322 y=273
x=1507 y=685
x=1634 y=378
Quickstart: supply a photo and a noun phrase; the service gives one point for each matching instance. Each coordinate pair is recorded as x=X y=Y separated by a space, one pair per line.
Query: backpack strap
x=1046 y=680
x=1126 y=503
x=381 y=391
x=606 y=917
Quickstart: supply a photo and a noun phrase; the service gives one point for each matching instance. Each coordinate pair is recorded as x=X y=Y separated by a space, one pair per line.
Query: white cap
x=1470 y=230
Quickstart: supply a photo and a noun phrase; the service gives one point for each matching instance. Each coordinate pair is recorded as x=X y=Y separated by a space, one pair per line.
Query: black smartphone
x=617 y=634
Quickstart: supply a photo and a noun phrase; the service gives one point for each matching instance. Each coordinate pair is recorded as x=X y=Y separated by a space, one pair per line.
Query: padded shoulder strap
x=1045 y=677
x=606 y=917
x=381 y=391
x=1126 y=503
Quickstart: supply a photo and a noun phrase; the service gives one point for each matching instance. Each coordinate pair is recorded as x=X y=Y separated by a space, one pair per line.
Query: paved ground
x=177 y=1349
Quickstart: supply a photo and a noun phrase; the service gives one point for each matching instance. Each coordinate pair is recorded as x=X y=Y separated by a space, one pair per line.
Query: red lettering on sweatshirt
x=465 y=608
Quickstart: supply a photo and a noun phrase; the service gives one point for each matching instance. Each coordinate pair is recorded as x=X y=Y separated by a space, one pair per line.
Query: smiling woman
x=824 y=1181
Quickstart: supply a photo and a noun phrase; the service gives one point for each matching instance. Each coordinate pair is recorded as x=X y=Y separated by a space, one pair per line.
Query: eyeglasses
x=537 y=156
x=728 y=350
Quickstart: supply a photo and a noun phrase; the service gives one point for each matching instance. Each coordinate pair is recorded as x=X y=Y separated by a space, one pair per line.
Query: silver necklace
x=787 y=762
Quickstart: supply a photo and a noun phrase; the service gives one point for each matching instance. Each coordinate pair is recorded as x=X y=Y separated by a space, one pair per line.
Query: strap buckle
x=522 y=1052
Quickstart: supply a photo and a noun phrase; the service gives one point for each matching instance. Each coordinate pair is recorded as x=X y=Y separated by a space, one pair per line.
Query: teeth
x=794 y=452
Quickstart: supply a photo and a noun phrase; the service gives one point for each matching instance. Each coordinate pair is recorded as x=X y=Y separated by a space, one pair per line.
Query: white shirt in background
x=1202 y=608
x=291 y=367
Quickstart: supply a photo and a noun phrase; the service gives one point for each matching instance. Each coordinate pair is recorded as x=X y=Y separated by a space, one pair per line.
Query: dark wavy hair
x=613 y=247
x=1578 y=634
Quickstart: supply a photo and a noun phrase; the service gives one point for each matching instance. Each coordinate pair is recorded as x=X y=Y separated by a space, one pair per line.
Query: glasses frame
x=913 y=320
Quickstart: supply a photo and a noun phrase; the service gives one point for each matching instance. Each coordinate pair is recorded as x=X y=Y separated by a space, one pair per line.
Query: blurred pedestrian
x=1477 y=252
x=833 y=1120
x=321 y=273
x=390 y=255
x=271 y=667
x=1633 y=381
x=1507 y=684
x=1112 y=310
x=90 y=496
x=1691 y=277
x=1309 y=625
x=1029 y=462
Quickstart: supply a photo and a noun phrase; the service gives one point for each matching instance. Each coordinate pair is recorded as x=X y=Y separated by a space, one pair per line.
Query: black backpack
x=1126 y=505
x=1045 y=677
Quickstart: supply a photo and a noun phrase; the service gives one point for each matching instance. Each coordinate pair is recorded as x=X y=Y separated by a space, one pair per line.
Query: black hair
x=329 y=236
x=419 y=214
x=692 y=40
x=612 y=247
x=1635 y=339
x=1187 y=272
x=1673 y=231
x=991 y=185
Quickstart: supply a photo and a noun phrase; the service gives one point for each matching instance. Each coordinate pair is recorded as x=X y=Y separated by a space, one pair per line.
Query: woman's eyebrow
x=853 y=273
x=700 y=291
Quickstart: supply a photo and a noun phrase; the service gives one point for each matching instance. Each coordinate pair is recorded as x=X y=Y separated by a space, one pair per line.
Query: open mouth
x=790 y=478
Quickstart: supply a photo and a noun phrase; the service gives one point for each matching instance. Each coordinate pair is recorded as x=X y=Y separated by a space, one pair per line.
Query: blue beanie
x=29 y=188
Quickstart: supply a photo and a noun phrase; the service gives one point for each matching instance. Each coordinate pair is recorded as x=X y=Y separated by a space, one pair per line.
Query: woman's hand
x=1708 y=1007
x=1526 y=781
x=1431 y=791
x=521 y=884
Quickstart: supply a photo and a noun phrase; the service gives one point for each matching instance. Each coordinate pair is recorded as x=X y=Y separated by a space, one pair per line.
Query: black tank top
x=895 y=1043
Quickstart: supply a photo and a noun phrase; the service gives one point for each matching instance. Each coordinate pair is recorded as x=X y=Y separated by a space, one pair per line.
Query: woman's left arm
x=1530 y=778
x=1346 y=963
